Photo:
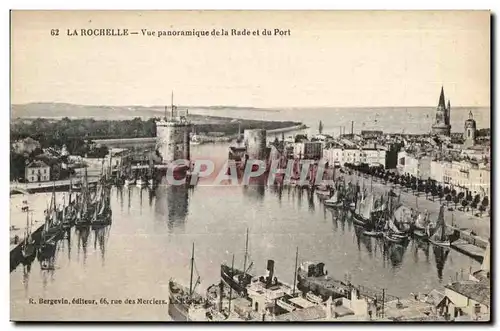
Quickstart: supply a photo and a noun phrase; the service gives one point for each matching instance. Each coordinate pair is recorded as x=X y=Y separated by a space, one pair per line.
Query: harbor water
x=152 y=232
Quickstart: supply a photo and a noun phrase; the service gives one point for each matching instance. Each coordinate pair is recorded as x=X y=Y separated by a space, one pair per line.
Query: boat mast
x=230 y=287
x=172 y=104
x=443 y=225
x=245 y=259
x=191 y=279
x=295 y=273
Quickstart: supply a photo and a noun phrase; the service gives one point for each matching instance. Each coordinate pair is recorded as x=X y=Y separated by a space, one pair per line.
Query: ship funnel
x=270 y=272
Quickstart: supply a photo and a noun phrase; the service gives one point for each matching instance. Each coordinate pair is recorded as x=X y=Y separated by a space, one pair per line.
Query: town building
x=418 y=166
x=339 y=156
x=371 y=134
x=309 y=150
x=464 y=175
x=37 y=171
x=442 y=125
x=467 y=297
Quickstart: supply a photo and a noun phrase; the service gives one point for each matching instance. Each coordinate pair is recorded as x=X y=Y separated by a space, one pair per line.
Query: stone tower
x=442 y=125
x=470 y=131
x=173 y=135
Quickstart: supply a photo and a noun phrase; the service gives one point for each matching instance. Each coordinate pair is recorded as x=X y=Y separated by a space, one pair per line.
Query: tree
x=464 y=203
x=448 y=198
x=441 y=195
x=482 y=209
x=456 y=200
x=461 y=195
x=477 y=199
x=485 y=202
x=414 y=188
x=446 y=190
x=473 y=206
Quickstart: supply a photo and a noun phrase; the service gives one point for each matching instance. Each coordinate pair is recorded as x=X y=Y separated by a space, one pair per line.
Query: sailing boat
x=237 y=279
x=184 y=303
x=141 y=180
x=194 y=138
x=439 y=236
x=334 y=201
x=28 y=247
x=102 y=212
x=421 y=225
x=364 y=214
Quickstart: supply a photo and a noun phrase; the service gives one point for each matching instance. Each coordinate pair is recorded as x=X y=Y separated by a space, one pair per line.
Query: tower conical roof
x=442 y=103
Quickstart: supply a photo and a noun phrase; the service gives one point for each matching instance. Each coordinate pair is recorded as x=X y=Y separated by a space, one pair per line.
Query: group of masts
x=386 y=216
x=85 y=206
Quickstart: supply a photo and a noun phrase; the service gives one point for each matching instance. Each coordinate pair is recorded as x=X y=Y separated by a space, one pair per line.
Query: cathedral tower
x=442 y=125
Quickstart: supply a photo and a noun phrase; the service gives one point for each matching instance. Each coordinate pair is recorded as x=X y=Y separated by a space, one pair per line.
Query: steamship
x=184 y=303
x=235 y=278
x=312 y=277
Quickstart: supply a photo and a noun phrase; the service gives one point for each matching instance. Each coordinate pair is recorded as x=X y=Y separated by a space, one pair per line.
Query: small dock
x=468 y=249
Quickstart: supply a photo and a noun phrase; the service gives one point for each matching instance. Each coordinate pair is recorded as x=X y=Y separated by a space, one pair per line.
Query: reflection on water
x=172 y=203
x=440 y=255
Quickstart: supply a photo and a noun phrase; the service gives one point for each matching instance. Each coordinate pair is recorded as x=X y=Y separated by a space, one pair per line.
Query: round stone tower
x=255 y=142
x=470 y=131
x=172 y=137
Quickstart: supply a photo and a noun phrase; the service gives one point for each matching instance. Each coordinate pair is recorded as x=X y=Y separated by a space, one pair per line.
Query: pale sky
x=343 y=59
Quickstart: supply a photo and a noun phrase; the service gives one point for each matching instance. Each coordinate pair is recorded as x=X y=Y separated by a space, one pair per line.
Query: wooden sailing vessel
x=438 y=236
x=102 y=212
x=334 y=201
x=363 y=215
x=28 y=246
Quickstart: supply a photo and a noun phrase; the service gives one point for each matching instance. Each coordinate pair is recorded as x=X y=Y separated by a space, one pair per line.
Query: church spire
x=442 y=103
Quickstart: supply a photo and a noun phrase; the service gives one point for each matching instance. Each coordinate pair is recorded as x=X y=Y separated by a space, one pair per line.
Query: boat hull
x=227 y=274
x=395 y=239
x=178 y=312
x=373 y=233
x=440 y=243
x=359 y=220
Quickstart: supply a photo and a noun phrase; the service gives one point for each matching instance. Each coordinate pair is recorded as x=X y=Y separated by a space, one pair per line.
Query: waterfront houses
x=37 y=171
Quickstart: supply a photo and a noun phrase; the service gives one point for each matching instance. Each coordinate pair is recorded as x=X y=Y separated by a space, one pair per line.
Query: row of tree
x=431 y=188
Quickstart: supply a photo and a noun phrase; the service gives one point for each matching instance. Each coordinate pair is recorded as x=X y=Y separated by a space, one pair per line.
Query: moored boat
x=373 y=233
x=334 y=201
x=28 y=245
x=312 y=277
x=438 y=236
x=394 y=238
x=184 y=303
x=235 y=278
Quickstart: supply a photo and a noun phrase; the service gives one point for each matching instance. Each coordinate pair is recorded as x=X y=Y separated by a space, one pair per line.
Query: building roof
x=306 y=314
x=37 y=164
x=408 y=310
x=477 y=291
x=434 y=297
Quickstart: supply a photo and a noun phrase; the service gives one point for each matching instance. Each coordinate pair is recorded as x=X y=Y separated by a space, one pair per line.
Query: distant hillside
x=60 y=110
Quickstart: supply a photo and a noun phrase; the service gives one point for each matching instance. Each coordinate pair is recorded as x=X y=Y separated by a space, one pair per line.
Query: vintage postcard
x=269 y=166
